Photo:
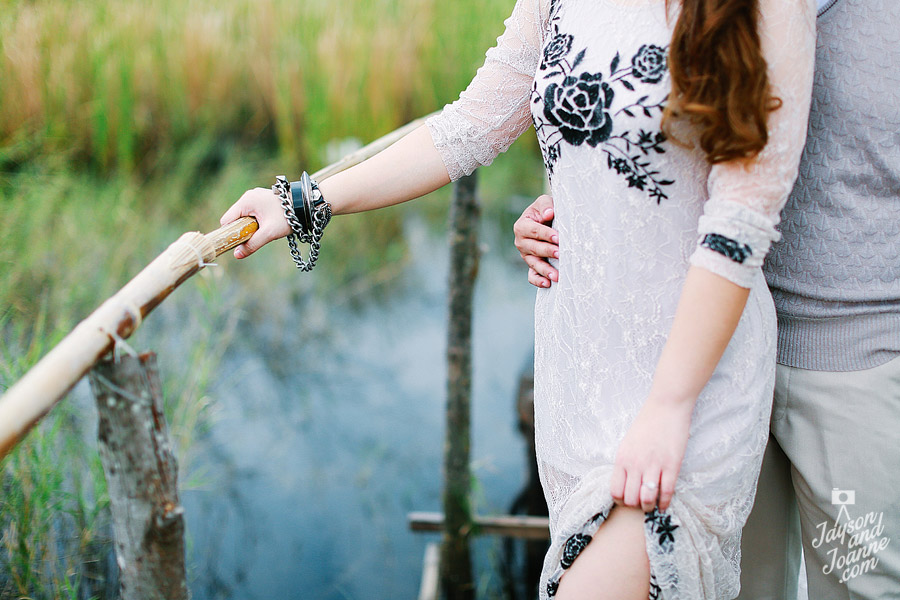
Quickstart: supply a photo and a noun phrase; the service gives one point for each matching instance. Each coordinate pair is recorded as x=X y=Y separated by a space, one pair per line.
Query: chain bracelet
x=321 y=218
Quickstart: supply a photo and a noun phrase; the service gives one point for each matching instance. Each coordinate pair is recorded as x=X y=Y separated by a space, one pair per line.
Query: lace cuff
x=460 y=143
x=721 y=265
x=457 y=161
x=734 y=240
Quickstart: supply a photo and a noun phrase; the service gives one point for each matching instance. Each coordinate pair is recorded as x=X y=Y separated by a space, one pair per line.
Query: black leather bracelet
x=307 y=200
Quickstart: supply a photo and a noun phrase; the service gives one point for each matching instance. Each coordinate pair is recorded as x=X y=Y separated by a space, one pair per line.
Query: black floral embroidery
x=649 y=64
x=660 y=524
x=655 y=590
x=556 y=50
x=636 y=167
x=551 y=156
x=574 y=546
x=727 y=247
x=577 y=109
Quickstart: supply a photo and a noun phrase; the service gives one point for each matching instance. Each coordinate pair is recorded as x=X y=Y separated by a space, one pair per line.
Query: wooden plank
x=516 y=526
x=431 y=565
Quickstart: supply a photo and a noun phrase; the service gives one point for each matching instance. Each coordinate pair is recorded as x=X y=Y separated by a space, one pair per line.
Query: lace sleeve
x=493 y=111
x=738 y=222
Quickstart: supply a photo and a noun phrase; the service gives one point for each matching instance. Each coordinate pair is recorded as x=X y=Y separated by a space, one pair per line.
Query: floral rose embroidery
x=556 y=50
x=649 y=64
x=576 y=107
x=574 y=546
x=579 y=108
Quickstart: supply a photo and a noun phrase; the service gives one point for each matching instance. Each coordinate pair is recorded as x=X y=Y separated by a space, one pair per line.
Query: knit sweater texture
x=835 y=274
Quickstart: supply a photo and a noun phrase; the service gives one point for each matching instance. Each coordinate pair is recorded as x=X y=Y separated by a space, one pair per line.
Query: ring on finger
x=650 y=485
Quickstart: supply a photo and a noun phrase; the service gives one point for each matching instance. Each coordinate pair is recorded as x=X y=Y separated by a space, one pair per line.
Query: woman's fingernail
x=554 y=276
x=548 y=212
x=556 y=254
x=554 y=239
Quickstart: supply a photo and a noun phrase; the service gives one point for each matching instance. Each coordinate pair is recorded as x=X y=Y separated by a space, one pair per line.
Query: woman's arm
x=708 y=312
x=735 y=232
x=410 y=168
x=488 y=116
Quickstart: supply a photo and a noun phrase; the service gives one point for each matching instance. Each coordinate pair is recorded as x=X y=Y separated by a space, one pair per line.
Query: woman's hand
x=537 y=241
x=650 y=455
x=261 y=204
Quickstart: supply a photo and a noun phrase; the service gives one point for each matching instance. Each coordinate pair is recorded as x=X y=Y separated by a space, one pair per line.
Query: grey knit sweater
x=835 y=275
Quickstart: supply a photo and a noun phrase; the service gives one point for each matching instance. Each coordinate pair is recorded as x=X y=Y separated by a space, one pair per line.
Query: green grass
x=124 y=124
x=54 y=525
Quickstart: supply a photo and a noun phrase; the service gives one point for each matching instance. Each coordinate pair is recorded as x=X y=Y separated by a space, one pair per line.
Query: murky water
x=323 y=445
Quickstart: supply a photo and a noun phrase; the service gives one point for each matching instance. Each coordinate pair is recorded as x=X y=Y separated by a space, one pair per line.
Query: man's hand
x=537 y=241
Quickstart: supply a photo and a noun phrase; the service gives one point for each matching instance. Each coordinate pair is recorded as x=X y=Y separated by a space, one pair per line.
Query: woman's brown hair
x=719 y=77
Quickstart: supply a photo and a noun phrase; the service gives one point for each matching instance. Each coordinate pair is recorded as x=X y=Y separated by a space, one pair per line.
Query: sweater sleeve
x=493 y=110
x=745 y=199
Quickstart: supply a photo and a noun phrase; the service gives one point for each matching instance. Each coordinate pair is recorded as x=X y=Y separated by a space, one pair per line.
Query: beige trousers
x=831 y=479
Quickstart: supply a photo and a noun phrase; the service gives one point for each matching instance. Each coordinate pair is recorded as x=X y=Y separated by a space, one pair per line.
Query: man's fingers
x=541 y=267
x=544 y=207
x=526 y=228
x=537 y=248
x=531 y=229
x=537 y=280
x=532 y=213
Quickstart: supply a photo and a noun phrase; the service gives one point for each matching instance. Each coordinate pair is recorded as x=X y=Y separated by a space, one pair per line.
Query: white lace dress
x=634 y=211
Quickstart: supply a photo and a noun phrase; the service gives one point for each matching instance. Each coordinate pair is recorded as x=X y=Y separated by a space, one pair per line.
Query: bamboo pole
x=26 y=402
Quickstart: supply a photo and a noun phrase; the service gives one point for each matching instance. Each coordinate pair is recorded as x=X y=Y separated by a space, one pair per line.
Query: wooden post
x=142 y=478
x=456 y=564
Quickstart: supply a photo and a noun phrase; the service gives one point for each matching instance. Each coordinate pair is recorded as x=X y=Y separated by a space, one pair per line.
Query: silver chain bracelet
x=315 y=212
